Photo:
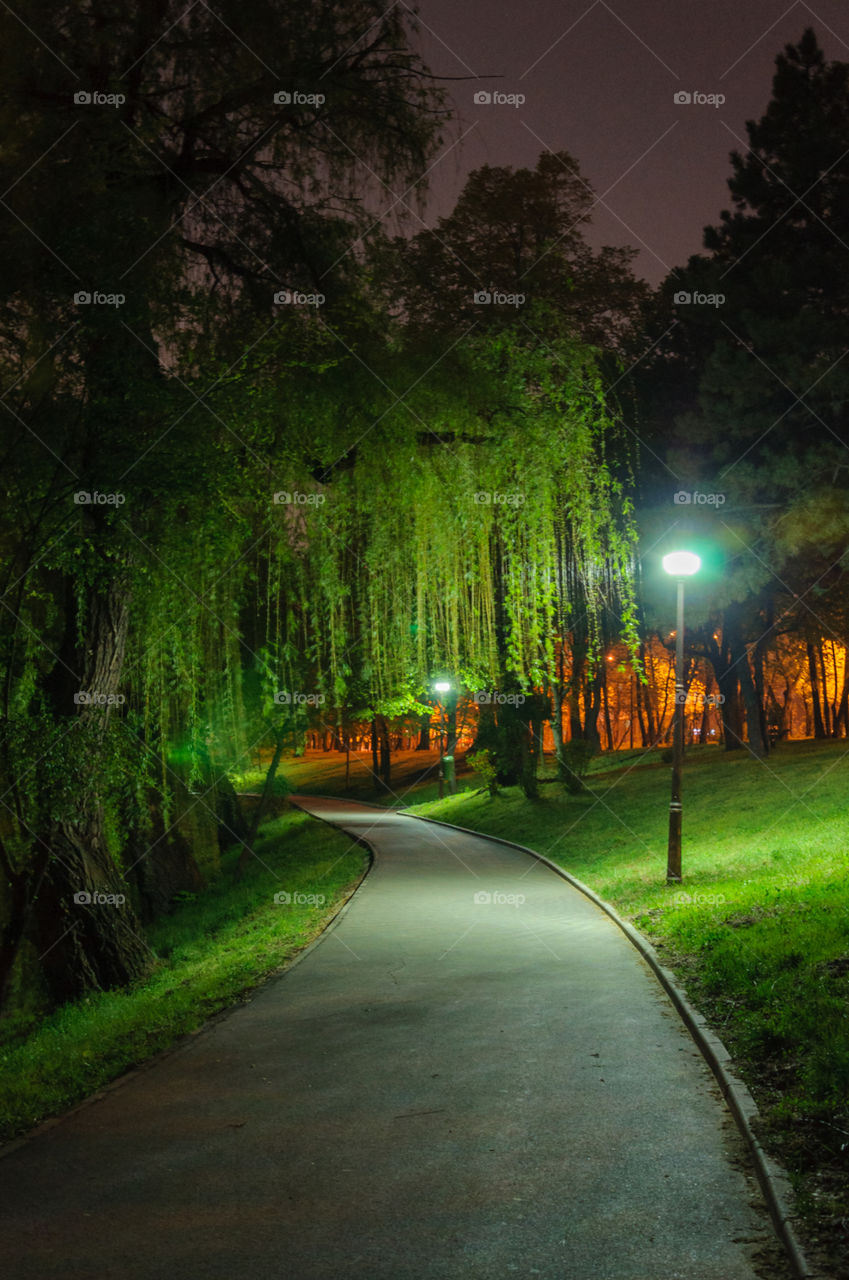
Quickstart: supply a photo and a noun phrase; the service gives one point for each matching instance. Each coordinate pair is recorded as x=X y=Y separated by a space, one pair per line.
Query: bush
x=484 y=766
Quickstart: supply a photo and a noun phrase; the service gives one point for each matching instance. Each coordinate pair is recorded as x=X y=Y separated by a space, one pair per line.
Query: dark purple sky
x=599 y=78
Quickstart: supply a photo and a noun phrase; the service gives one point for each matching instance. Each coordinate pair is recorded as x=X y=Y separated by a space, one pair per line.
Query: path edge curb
x=773 y=1181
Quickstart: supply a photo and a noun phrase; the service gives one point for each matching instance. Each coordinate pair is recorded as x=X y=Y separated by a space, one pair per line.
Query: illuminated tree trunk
x=841 y=719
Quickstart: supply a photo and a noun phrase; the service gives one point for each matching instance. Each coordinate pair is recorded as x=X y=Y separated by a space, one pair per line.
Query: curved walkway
x=473 y=1074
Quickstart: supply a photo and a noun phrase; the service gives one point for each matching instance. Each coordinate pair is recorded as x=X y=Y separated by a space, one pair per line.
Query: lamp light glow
x=681 y=564
x=442 y=686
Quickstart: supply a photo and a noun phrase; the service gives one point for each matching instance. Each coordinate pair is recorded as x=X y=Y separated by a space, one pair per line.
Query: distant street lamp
x=442 y=687
x=680 y=565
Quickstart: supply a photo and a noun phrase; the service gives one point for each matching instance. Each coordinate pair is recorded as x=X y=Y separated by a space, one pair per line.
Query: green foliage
x=485 y=767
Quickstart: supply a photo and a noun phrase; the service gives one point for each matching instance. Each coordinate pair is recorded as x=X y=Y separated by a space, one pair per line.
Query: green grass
x=760 y=939
x=208 y=954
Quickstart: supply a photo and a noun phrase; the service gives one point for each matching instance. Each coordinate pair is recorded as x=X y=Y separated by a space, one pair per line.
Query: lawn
x=208 y=954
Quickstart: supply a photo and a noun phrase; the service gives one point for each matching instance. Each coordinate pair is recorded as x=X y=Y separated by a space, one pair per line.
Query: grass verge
x=758 y=933
x=208 y=954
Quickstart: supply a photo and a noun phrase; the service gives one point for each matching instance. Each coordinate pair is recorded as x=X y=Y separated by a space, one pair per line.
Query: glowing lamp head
x=442 y=686
x=681 y=564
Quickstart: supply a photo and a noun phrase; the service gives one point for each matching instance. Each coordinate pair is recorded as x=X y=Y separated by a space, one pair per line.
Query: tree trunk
x=268 y=785
x=728 y=680
x=645 y=700
x=385 y=751
x=841 y=719
x=826 y=708
x=424 y=733
x=96 y=943
x=758 y=742
x=576 y=682
x=375 y=761
x=819 y=727
x=603 y=690
x=592 y=708
x=557 y=723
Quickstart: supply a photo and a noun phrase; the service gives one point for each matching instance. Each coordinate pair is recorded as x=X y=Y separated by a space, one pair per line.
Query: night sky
x=599 y=80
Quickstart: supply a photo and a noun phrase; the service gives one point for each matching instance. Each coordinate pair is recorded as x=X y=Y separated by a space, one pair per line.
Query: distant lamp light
x=681 y=564
x=442 y=686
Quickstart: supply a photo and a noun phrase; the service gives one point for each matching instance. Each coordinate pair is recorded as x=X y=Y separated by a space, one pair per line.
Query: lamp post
x=442 y=687
x=681 y=565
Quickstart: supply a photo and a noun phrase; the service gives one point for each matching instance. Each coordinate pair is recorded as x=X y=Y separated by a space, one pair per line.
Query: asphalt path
x=472 y=1074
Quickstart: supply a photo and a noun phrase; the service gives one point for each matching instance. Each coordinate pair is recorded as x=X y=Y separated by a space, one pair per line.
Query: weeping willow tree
x=462 y=531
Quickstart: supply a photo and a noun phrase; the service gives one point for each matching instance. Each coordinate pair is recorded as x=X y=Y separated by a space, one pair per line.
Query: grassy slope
x=209 y=953
x=758 y=933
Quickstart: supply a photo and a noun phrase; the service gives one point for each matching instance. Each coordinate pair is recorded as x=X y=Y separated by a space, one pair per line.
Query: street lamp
x=681 y=565
x=442 y=687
